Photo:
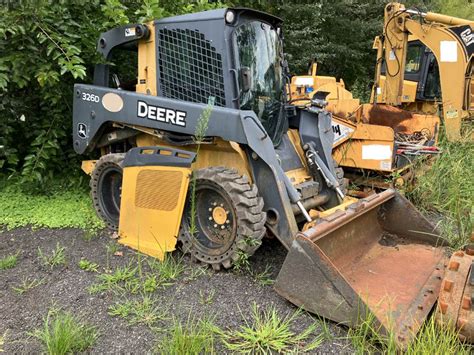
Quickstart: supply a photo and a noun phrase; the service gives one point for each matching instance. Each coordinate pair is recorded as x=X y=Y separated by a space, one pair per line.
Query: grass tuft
x=264 y=277
x=433 y=338
x=9 y=261
x=436 y=338
x=267 y=332
x=87 y=265
x=168 y=271
x=62 y=333
x=56 y=258
x=122 y=278
x=139 y=311
x=26 y=285
x=195 y=337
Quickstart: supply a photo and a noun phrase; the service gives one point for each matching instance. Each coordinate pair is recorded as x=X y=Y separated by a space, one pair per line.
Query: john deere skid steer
x=198 y=147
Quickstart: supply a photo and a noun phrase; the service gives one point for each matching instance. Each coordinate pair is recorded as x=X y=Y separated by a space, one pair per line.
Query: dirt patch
x=67 y=286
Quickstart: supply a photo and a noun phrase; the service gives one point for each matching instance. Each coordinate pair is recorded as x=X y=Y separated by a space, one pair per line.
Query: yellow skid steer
x=201 y=149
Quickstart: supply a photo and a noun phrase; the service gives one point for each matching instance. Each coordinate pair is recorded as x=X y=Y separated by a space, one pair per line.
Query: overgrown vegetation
x=433 y=338
x=65 y=206
x=62 y=333
x=9 y=261
x=447 y=188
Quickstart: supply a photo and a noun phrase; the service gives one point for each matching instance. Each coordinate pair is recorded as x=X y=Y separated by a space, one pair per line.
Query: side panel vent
x=158 y=190
x=190 y=67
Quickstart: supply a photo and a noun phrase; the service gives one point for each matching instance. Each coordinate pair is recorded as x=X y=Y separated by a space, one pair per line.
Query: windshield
x=260 y=61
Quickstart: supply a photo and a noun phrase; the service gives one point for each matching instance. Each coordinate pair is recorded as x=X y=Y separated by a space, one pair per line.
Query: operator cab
x=421 y=67
x=261 y=79
x=233 y=55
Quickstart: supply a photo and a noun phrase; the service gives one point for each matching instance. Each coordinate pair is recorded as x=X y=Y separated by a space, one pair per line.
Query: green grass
x=123 y=278
x=168 y=271
x=56 y=258
x=193 y=338
x=264 y=277
x=265 y=331
x=9 y=261
x=448 y=188
x=206 y=297
x=433 y=338
x=62 y=333
x=139 y=311
x=66 y=207
x=134 y=280
x=26 y=285
x=87 y=265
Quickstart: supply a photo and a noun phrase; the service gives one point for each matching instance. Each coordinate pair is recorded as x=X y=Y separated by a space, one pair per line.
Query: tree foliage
x=48 y=45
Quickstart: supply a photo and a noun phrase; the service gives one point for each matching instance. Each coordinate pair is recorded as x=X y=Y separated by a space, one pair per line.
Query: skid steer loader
x=258 y=166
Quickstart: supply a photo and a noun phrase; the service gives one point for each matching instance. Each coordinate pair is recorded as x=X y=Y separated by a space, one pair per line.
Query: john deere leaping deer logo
x=82 y=130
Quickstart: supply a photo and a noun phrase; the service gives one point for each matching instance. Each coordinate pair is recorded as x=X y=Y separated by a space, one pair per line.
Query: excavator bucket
x=379 y=255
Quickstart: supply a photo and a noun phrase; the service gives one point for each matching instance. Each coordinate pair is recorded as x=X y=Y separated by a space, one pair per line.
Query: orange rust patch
x=454 y=265
x=448 y=285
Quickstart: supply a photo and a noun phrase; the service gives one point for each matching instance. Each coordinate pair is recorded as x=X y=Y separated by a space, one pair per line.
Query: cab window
x=412 y=64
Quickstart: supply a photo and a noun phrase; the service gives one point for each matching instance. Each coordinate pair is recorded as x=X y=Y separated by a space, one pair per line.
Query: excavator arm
x=452 y=42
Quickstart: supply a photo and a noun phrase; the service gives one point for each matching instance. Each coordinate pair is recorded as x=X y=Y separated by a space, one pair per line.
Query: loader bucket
x=379 y=255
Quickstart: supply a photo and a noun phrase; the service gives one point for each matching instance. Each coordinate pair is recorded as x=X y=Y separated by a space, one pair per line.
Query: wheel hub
x=219 y=215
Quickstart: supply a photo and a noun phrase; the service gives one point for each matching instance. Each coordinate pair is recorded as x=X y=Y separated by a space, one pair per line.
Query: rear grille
x=190 y=67
x=158 y=190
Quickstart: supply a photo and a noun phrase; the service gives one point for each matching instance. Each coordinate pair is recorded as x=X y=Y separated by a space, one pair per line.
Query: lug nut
x=215 y=225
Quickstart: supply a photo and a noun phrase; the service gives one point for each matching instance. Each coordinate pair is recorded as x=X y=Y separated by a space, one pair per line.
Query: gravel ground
x=66 y=287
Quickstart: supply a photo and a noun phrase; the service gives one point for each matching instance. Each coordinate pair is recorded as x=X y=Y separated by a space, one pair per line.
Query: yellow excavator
x=376 y=144
x=424 y=70
x=200 y=149
x=425 y=64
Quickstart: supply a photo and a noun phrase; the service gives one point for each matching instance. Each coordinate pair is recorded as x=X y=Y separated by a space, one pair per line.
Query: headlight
x=229 y=17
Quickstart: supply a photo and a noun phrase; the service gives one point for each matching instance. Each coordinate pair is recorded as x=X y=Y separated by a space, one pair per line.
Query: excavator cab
x=218 y=175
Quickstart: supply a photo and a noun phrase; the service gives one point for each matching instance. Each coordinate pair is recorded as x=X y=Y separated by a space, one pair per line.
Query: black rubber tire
x=245 y=214
x=106 y=185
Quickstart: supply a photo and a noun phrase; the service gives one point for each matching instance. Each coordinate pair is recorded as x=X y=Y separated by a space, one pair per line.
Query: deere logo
x=162 y=114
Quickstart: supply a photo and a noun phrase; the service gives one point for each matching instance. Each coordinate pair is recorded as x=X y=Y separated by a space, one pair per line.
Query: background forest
x=47 y=46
